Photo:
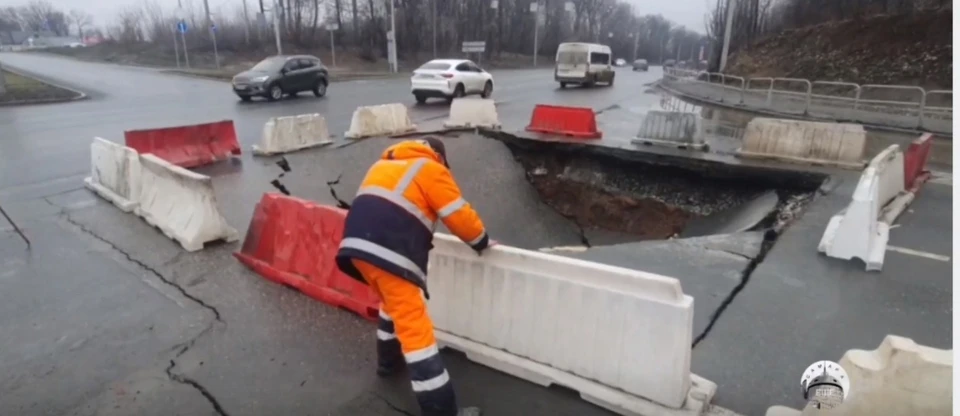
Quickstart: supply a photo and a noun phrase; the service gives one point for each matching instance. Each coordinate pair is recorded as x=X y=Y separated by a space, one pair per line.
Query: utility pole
x=176 y=49
x=3 y=81
x=731 y=5
x=276 y=26
x=392 y=38
x=636 y=44
x=246 y=23
x=433 y=20
x=213 y=33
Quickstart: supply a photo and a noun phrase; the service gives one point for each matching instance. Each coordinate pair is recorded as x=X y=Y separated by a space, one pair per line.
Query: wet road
x=108 y=317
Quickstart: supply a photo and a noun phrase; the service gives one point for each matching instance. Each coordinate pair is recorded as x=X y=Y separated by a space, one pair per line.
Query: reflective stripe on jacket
x=391 y=222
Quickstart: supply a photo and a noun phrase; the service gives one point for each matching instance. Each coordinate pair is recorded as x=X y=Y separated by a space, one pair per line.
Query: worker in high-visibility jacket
x=386 y=242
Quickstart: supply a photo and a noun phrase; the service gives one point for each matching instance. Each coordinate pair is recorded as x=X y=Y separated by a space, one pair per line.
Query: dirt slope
x=903 y=49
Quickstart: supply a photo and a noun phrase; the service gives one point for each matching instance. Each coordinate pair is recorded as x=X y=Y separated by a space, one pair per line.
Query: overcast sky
x=687 y=13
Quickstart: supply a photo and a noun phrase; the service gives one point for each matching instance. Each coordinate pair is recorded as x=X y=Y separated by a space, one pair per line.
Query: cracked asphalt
x=106 y=316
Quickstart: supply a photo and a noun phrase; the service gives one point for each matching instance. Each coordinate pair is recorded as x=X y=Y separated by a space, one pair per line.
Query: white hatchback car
x=450 y=78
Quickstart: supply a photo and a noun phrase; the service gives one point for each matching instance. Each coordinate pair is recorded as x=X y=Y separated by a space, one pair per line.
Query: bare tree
x=81 y=20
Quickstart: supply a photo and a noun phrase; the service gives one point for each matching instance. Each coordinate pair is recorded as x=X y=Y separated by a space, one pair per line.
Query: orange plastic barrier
x=568 y=121
x=915 y=162
x=293 y=242
x=187 y=146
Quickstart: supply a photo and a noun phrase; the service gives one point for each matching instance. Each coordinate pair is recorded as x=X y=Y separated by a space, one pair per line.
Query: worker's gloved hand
x=491 y=243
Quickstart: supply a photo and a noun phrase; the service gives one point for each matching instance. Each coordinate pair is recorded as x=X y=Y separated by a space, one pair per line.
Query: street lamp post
x=213 y=33
x=535 y=8
x=276 y=26
x=731 y=5
x=392 y=38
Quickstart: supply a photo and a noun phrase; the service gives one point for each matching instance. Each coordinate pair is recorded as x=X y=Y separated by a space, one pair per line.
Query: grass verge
x=24 y=90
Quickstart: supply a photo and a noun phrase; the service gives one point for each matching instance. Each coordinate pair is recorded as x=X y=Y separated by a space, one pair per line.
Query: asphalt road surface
x=106 y=316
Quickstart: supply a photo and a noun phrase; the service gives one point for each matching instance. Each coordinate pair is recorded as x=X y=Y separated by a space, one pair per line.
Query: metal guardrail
x=882 y=105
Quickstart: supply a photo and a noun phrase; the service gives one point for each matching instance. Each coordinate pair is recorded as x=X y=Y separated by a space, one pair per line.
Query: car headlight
x=259 y=79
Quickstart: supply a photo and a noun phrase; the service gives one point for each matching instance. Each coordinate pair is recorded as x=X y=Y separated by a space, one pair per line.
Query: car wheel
x=487 y=90
x=320 y=89
x=563 y=85
x=421 y=99
x=460 y=92
x=274 y=93
x=610 y=84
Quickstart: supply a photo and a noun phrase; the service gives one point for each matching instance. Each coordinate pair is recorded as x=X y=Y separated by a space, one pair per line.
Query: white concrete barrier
x=289 y=134
x=678 y=129
x=114 y=173
x=621 y=338
x=181 y=204
x=380 y=120
x=473 y=113
x=898 y=378
x=863 y=228
x=810 y=142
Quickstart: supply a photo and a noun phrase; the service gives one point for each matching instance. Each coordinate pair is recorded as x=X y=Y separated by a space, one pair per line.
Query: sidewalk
x=792 y=106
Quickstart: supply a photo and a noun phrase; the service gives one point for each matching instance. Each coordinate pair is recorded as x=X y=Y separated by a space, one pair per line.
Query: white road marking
x=941 y=178
x=575 y=249
x=918 y=253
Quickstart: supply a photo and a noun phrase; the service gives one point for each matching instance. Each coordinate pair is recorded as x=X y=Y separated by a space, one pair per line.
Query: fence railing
x=900 y=106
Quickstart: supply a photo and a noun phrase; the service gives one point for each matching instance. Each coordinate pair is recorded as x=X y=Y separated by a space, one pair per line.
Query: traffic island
x=22 y=89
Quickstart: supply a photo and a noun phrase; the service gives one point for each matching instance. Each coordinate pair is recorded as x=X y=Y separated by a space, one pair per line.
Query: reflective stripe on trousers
x=404 y=318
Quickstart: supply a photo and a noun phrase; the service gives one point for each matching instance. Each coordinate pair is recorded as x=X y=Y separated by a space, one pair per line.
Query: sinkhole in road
x=652 y=198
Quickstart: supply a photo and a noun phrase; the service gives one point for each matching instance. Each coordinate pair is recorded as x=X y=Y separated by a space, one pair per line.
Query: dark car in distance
x=278 y=75
x=641 y=65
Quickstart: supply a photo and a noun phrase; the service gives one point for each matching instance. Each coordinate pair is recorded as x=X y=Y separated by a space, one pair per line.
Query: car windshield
x=269 y=64
x=572 y=57
x=435 y=66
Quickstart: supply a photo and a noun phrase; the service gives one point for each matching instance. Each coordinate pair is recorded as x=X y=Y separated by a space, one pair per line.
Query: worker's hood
x=414 y=149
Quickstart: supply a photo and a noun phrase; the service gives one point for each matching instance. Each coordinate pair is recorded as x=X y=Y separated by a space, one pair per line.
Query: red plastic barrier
x=187 y=146
x=568 y=121
x=293 y=242
x=915 y=162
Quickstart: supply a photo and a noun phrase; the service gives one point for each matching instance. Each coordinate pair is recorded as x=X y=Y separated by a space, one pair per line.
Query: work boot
x=385 y=371
x=470 y=411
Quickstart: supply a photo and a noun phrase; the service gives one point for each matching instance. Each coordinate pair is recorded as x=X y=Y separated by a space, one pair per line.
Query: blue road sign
x=182 y=26
x=213 y=27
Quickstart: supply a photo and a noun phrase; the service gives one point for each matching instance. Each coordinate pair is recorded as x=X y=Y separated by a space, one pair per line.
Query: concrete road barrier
x=473 y=113
x=898 y=378
x=292 y=133
x=619 y=337
x=114 y=173
x=181 y=204
x=380 y=120
x=863 y=228
x=835 y=144
x=683 y=130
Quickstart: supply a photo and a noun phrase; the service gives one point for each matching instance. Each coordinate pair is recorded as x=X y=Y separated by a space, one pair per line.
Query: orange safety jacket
x=391 y=222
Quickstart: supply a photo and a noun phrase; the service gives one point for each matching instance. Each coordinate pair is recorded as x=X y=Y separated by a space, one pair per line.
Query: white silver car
x=449 y=79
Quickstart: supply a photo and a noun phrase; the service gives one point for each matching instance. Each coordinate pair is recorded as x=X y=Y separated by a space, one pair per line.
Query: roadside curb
x=333 y=80
x=80 y=95
x=789 y=116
